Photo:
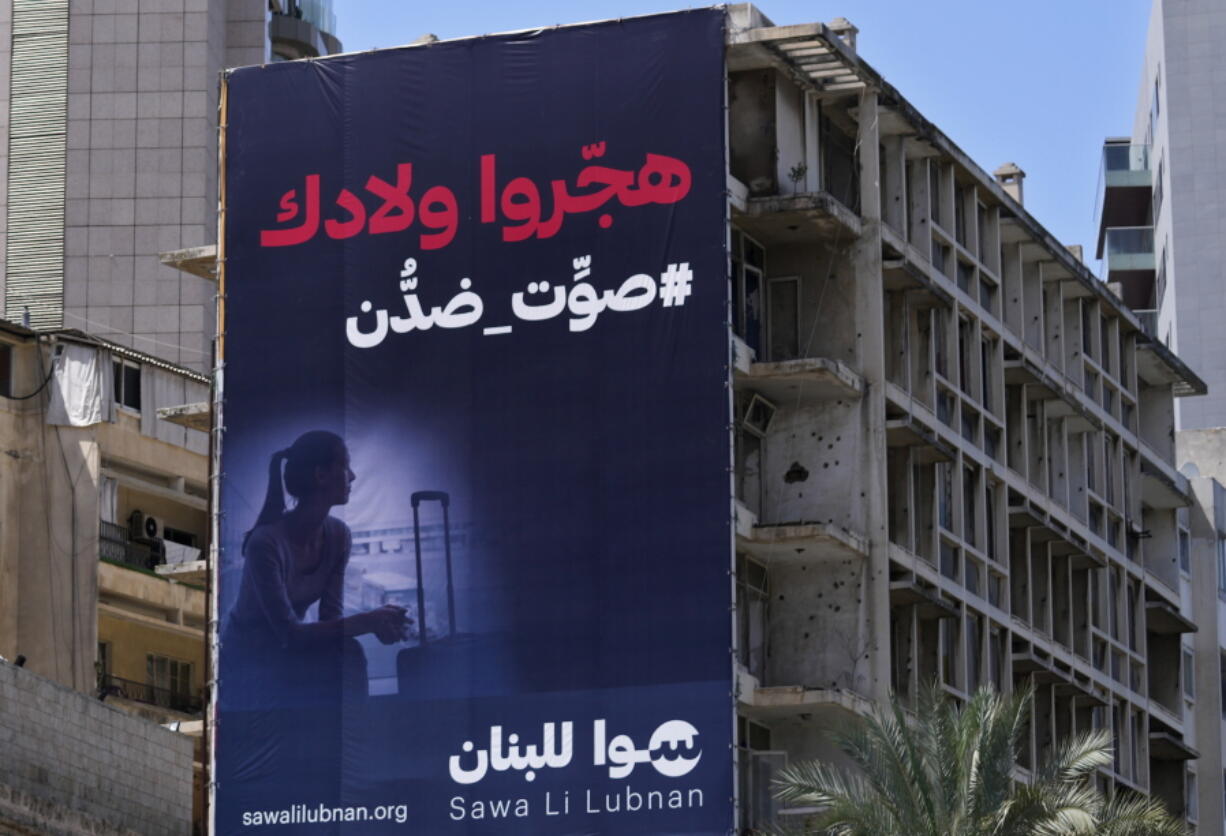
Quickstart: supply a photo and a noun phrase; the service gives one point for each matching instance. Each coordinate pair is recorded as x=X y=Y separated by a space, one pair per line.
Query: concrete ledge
x=1162 y=486
x=193 y=572
x=773 y=544
x=199 y=261
x=828 y=706
x=799 y=382
x=194 y=416
x=782 y=219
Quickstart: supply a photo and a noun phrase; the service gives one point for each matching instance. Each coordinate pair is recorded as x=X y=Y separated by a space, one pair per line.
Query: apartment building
x=1160 y=242
x=109 y=108
x=955 y=445
x=1159 y=212
x=103 y=524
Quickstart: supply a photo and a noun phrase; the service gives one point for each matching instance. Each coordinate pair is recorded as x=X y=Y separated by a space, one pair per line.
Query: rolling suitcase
x=455 y=664
x=443 y=499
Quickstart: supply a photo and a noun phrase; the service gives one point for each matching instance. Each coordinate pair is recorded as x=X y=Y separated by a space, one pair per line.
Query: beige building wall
x=55 y=589
x=48 y=536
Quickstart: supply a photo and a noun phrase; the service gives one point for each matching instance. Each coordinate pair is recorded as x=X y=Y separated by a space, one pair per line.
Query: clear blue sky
x=1036 y=82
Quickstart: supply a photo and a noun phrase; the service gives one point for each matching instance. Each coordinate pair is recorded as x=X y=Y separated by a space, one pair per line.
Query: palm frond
x=1138 y=816
x=1077 y=757
x=850 y=806
x=949 y=772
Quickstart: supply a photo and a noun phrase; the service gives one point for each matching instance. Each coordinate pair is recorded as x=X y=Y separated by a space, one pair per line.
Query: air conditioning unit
x=144 y=527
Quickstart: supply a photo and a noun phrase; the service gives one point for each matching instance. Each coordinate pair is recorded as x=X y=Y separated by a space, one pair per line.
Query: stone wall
x=71 y=765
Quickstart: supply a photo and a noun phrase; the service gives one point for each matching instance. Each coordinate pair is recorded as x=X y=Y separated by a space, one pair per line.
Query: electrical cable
x=41 y=386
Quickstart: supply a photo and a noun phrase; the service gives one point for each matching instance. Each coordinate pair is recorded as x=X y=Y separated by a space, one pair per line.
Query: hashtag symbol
x=675 y=284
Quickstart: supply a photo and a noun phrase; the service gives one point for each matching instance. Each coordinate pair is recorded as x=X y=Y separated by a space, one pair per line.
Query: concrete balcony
x=195 y=572
x=778 y=544
x=1125 y=186
x=1167 y=746
x=1164 y=618
x=1128 y=260
x=150 y=600
x=799 y=218
x=911 y=591
x=825 y=707
x=1130 y=248
x=167 y=704
x=1162 y=486
x=1169 y=729
x=793 y=383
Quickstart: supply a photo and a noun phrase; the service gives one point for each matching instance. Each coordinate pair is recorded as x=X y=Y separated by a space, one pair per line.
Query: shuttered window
x=36 y=141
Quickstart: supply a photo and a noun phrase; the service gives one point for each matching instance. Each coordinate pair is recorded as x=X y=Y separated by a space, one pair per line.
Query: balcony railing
x=1122 y=162
x=116 y=544
x=1130 y=241
x=142 y=692
x=1130 y=248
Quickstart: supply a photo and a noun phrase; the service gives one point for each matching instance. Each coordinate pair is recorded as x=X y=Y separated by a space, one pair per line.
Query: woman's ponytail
x=293 y=469
x=274 y=497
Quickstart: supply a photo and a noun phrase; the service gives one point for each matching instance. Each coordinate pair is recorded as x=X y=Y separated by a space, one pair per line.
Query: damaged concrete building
x=955 y=444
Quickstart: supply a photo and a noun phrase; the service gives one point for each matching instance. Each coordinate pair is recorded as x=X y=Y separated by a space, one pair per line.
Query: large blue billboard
x=474 y=507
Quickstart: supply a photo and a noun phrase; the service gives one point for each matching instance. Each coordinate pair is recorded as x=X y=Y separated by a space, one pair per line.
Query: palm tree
x=951 y=775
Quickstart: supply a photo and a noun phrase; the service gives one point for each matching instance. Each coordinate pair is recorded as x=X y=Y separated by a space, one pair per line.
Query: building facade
x=1159 y=225
x=110 y=113
x=956 y=450
x=1201 y=451
x=1161 y=245
x=103 y=528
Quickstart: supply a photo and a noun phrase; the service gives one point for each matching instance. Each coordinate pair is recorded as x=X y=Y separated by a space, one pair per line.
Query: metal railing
x=115 y=543
x=114 y=686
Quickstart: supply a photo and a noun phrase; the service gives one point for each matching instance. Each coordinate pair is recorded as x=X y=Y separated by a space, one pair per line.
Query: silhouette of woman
x=296 y=558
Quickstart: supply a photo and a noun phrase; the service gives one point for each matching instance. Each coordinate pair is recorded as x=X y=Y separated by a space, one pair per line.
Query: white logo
x=672 y=749
x=667 y=755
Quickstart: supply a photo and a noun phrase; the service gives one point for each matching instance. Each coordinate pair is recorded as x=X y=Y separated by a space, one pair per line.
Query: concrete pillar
x=895 y=210
x=1205 y=645
x=870 y=350
x=58 y=572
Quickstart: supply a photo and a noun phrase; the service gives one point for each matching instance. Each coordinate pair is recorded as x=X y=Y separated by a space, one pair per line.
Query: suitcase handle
x=444 y=499
x=419 y=497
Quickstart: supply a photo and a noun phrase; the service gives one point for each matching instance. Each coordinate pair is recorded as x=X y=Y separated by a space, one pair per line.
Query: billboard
x=474 y=507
